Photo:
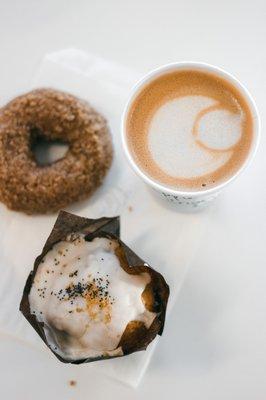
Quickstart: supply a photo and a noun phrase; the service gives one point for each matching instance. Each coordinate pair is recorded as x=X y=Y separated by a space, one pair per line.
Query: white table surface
x=214 y=345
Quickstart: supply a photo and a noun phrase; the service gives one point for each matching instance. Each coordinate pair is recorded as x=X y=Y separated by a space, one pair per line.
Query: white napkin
x=159 y=234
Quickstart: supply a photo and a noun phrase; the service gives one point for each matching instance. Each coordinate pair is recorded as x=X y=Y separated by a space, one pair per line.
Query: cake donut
x=51 y=115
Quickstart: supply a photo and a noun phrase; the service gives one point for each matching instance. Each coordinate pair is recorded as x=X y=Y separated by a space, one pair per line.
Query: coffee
x=189 y=129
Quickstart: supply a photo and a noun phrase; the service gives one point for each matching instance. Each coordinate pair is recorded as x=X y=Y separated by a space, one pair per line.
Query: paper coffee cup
x=190 y=199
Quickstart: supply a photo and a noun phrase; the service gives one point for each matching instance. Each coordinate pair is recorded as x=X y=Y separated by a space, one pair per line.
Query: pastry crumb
x=72 y=383
x=130 y=208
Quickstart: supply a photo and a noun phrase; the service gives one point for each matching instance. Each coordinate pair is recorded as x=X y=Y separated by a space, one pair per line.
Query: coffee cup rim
x=186 y=65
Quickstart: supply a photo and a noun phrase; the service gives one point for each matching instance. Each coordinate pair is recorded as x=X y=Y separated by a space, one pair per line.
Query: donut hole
x=44 y=151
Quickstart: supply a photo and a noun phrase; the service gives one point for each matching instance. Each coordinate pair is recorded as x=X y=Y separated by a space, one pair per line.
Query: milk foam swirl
x=193 y=136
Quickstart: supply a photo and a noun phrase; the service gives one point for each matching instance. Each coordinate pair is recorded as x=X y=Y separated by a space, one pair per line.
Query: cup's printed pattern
x=188 y=201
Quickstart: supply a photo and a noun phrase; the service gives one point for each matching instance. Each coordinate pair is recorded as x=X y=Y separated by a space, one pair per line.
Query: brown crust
x=136 y=336
x=51 y=115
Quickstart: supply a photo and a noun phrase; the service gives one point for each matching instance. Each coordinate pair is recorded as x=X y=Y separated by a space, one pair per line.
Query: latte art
x=189 y=129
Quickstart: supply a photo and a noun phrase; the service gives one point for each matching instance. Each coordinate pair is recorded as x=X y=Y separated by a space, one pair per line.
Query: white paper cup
x=185 y=198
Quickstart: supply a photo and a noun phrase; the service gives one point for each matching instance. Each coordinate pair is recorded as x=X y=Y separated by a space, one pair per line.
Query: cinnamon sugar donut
x=51 y=115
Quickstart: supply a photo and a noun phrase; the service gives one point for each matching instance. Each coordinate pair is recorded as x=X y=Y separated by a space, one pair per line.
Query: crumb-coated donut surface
x=51 y=115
